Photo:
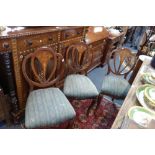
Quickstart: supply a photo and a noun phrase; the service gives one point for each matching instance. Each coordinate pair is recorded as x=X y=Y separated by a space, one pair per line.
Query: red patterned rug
x=103 y=119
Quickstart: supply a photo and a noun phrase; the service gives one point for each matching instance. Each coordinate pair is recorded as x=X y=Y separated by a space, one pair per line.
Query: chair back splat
x=79 y=57
x=122 y=63
x=39 y=68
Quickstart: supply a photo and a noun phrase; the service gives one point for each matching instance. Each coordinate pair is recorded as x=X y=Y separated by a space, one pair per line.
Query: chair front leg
x=99 y=98
x=70 y=124
x=112 y=98
x=93 y=103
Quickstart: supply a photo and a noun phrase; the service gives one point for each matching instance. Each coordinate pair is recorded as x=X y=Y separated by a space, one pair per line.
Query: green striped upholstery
x=47 y=107
x=79 y=87
x=115 y=86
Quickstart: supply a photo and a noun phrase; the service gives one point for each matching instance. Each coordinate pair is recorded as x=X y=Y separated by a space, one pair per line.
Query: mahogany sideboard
x=14 y=46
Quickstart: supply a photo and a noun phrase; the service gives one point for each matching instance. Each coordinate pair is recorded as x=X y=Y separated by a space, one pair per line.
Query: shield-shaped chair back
x=79 y=57
x=39 y=67
x=122 y=63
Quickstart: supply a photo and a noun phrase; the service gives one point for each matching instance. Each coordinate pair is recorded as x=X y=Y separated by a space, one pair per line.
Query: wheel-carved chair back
x=79 y=58
x=39 y=68
x=123 y=62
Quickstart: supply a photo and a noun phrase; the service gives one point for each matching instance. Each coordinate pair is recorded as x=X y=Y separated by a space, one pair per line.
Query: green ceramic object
x=149 y=97
x=140 y=115
x=140 y=96
x=148 y=78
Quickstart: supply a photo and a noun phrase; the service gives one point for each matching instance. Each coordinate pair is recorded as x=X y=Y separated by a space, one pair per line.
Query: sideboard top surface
x=35 y=30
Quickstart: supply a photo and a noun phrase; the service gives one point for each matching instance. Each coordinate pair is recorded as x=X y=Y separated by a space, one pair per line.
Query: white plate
x=143 y=57
x=141 y=115
x=147 y=78
x=140 y=97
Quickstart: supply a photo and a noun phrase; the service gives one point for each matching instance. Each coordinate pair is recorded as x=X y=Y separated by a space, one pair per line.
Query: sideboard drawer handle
x=6 y=45
x=50 y=39
x=66 y=35
x=29 y=42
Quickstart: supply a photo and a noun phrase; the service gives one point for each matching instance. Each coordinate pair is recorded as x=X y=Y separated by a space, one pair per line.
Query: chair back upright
x=39 y=68
x=122 y=63
x=79 y=58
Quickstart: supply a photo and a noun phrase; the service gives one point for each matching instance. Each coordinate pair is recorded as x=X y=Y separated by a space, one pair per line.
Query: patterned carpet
x=103 y=119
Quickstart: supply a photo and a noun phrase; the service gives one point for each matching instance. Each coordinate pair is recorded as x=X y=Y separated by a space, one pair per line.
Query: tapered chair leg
x=99 y=98
x=94 y=102
x=70 y=124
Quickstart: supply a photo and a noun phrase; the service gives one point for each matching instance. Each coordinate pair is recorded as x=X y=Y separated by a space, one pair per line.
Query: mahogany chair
x=122 y=64
x=46 y=106
x=77 y=85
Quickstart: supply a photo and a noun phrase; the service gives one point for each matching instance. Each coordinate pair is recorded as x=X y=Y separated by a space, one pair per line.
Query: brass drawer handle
x=29 y=42
x=6 y=45
x=50 y=39
x=78 y=32
x=70 y=33
x=67 y=35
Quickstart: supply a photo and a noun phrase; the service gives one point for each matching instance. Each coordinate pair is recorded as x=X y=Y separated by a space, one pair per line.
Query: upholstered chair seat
x=47 y=107
x=114 y=85
x=79 y=87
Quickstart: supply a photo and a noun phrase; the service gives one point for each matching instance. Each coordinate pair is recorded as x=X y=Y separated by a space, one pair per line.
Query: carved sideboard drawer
x=71 y=33
x=98 y=48
x=23 y=53
x=97 y=43
x=28 y=42
x=63 y=46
